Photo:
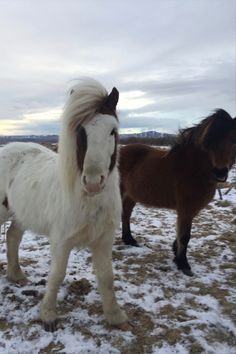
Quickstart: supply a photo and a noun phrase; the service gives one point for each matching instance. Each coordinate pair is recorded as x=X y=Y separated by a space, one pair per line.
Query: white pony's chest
x=98 y=216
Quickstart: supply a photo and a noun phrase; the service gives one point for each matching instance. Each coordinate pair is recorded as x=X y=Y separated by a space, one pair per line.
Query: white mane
x=82 y=104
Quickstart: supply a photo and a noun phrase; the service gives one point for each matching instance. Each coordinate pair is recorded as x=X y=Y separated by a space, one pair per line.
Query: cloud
x=170 y=57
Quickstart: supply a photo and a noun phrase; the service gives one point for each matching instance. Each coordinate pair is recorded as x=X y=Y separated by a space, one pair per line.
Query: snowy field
x=170 y=312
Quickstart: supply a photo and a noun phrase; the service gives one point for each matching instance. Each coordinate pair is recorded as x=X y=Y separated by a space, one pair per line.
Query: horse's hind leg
x=102 y=260
x=181 y=243
x=128 y=205
x=14 y=272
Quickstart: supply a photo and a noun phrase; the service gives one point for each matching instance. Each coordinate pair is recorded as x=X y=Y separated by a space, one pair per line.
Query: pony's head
x=89 y=137
x=216 y=135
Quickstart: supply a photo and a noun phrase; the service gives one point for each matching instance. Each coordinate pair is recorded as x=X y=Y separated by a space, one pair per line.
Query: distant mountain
x=152 y=134
x=149 y=137
x=47 y=139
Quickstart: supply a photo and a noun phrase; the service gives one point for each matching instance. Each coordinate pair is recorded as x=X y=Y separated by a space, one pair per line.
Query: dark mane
x=197 y=134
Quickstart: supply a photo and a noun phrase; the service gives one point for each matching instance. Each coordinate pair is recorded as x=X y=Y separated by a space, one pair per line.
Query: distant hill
x=149 y=137
x=47 y=139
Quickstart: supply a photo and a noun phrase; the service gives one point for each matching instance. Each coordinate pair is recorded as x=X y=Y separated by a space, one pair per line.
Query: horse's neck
x=85 y=212
x=192 y=156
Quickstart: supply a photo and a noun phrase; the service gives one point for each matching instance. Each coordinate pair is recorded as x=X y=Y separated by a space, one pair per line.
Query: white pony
x=73 y=196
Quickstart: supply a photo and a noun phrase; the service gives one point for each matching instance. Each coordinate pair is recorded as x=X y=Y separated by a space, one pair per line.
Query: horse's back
x=17 y=148
x=13 y=153
x=134 y=155
x=18 y=156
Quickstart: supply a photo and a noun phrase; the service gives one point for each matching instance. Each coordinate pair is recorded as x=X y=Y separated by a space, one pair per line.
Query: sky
x=173 y=61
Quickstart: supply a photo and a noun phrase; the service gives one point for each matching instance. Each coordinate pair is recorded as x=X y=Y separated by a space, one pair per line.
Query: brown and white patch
x=81 y=146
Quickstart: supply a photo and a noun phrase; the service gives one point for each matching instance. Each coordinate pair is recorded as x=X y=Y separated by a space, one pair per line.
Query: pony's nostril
x=102 y=179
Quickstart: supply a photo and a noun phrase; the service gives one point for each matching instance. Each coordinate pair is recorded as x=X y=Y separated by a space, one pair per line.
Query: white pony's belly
x=26 y=192
x=25 y=204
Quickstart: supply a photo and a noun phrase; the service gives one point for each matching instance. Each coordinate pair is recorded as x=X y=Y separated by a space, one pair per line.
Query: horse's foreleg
x=220 y=193
x=181 y=243
x=60 y=254
x=102 y=260
x=128 y=205
x=14 y=272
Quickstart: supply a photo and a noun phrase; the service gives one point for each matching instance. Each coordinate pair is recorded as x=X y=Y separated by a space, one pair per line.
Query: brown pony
x=183 y=178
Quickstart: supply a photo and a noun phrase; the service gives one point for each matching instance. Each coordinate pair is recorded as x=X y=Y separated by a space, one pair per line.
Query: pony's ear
x=113 y=98
x=109 y=105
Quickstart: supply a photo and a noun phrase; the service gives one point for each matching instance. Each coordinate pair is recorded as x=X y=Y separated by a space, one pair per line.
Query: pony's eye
x=114 y=131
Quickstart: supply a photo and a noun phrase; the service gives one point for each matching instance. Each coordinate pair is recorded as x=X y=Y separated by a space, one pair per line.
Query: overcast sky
x=173 y=61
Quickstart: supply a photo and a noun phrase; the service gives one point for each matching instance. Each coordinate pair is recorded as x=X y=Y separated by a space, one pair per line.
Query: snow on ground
x=170 y=312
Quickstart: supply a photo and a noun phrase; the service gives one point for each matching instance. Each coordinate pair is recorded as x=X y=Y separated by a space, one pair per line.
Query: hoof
x=19 y=283
x=17 y=277
x=187 y=272
x=132 y=242
x=135 y=244
x=22 y=282
x=184 y=267
x=126 y=326
x=50 y=326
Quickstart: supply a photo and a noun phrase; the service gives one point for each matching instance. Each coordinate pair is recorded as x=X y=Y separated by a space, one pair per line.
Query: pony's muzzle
x=220 y=174
x=93 y=185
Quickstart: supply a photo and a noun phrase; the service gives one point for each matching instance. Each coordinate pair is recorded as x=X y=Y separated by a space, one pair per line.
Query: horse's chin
x=221 y=179
x=89 y=194
x=220 y=175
